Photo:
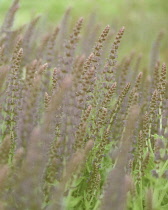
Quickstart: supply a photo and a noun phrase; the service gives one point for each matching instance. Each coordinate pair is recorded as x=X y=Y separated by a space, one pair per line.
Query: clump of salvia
x=79 y=131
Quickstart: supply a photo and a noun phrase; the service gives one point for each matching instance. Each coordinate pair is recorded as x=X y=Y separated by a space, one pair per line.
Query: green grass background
x=143 y=19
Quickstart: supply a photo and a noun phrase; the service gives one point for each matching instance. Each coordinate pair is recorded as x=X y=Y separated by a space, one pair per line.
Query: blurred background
x=143 y=19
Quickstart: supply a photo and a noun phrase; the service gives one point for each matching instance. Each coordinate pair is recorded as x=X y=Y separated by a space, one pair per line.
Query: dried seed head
x=149 y=200
x=89 y=145
x=4 y=150
x=3 y=175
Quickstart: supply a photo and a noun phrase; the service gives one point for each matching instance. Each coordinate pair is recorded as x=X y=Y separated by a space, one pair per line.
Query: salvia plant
x=79 y=129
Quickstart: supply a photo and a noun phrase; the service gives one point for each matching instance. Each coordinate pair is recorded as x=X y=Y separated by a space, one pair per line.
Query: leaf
x=74 y=201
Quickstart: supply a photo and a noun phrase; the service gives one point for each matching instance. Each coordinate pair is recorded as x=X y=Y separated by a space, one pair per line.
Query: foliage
x=79 y=129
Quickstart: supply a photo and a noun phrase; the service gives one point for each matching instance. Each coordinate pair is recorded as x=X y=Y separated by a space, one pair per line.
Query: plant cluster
x=79 y=129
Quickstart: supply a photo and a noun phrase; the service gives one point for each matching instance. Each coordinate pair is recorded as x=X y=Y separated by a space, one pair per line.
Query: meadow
x=142 y=19
x=84 y=105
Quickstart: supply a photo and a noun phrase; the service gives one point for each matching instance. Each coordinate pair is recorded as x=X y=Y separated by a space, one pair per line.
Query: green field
x=143 y=19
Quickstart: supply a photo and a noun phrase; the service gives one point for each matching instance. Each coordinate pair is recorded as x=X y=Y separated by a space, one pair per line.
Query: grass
x=83 y=119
